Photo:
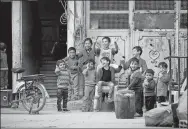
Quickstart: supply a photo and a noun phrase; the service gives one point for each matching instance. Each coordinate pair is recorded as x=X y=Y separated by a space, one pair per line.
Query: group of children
x=71 y=71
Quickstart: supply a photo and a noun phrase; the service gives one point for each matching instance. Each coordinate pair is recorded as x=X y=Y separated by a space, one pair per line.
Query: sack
x=182 y=107
x=75 y=105
x=124 y=104
x=161 y=116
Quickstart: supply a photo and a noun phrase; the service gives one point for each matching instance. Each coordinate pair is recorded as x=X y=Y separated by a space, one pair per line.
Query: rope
x=63 y=18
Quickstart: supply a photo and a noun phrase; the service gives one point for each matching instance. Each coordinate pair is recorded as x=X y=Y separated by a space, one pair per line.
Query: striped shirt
x=63 y=79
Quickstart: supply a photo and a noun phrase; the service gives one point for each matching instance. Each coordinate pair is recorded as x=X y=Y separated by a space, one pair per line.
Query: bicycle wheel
x=36 y=95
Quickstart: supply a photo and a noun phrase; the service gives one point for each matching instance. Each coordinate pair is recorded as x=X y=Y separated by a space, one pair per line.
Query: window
x=109 y=14
x=183 y=16
x=154 y=21
x=152 y=14
x=154 y=5
x=109 y=21
x=109 y=5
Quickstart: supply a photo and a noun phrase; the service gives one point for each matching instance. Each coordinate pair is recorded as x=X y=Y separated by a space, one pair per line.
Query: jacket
x=113 y=71
x=150 y=88
x=162 y=84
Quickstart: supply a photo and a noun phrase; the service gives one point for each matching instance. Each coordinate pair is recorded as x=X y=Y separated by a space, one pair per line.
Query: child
x=3 y=66
x=162 y=83
x=76 y=74
x=149 y=89
x=136 y=84
x=106 y=77
x=63 y=84
x=105 y=51
x=137 y=52
x=86 y=54
x=90 y=82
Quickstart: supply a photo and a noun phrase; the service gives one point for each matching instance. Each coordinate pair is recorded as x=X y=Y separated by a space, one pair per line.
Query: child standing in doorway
x=63 y=84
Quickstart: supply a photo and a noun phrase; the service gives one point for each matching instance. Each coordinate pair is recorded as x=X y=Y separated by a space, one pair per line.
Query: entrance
x=6 y=35
x=53 y=32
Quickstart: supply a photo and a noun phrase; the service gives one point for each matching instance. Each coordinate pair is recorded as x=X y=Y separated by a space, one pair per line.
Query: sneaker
x=96 y=110
x=59 y=110
x=138 y=115
x=66 y=110
x=14 y=105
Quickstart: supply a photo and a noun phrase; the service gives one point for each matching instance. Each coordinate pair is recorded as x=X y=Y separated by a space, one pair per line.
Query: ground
x=50 y=118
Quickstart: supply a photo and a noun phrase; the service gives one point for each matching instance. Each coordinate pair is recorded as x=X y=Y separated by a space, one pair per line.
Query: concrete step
x=50 y=73
x=48 y=62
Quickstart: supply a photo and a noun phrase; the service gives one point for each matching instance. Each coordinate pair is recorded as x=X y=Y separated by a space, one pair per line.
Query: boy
x=76 y=74
x=3 y=66
x=86 y=54
x=162 y=83
x=137 y=52
x=90 y=82
x=63 y=84
x=105 y=51
x=149 y=89
x=136 y=84
x=106 y=77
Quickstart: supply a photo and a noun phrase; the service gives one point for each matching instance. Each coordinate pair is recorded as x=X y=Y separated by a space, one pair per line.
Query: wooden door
x=49 y=37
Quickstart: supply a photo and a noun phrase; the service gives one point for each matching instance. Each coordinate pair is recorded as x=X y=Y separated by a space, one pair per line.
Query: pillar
x=16 y=38
x=70 y=23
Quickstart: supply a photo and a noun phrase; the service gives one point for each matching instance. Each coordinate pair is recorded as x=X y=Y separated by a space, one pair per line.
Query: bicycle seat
x=33 y=77
x=18 y=70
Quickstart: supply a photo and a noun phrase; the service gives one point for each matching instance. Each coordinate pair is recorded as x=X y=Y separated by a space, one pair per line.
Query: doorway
x=6 y=34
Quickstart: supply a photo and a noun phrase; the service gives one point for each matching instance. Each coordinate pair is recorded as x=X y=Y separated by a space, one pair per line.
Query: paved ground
x=50 y=118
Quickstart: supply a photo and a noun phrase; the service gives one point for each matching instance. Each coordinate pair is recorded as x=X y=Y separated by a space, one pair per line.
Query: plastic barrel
x=125 y=104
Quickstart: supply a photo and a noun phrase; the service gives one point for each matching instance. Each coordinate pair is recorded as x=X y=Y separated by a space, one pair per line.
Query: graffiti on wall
x=154 y=50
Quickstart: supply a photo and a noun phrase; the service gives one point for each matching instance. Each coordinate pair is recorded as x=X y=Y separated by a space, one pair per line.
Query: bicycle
x=30 y=91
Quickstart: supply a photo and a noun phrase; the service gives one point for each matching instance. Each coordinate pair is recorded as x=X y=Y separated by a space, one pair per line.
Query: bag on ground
x=182 y=107
x=161 y=116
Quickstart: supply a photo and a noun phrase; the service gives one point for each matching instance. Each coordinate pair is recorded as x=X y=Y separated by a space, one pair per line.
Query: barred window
x=109 y=21
x=154 y=5
x=183 y=20
x=154 y=21
x=109 y=5
x=184 y=5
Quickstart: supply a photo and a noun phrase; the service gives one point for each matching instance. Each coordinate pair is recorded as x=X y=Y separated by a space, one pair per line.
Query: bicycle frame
x=20 y=83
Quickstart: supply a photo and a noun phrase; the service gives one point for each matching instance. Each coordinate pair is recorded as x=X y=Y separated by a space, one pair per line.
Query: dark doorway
x=6 y=34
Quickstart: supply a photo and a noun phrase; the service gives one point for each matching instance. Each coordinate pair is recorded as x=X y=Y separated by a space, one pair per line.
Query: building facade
x=149 y=24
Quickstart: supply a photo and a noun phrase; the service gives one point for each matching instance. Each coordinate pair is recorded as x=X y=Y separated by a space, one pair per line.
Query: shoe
x=138 y=115
x=59 y=110
x=66 y=110
x=96 y=110
x=14 y=105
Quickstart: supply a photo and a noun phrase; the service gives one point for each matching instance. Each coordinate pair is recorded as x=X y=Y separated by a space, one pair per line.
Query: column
x=131 y=27
x=16 y=38
x=70 y=24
